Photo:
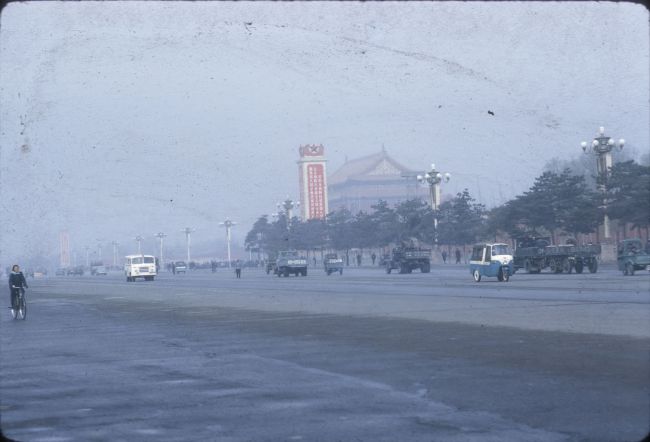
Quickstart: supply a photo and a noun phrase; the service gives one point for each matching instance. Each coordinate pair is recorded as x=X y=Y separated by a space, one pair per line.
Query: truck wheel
x=304 y=272
x=426 y=267
x=329 y=272
x=388 y=268
x=593 y=266
x=477 y=275
x=286 y=273
x=579 y=266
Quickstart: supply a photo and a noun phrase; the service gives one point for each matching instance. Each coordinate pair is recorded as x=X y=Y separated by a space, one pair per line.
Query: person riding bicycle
x=16 y=282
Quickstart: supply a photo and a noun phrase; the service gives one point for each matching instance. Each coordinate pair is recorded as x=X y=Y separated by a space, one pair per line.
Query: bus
x=140 y=266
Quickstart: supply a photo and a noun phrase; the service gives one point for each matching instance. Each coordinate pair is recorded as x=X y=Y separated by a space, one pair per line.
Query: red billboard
x=316 y=191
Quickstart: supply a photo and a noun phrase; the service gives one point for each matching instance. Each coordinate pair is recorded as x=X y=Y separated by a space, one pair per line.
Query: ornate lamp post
x=228 y=225
x=433 y=178
x=602 y=147
x=288 y=205
x=188 y=231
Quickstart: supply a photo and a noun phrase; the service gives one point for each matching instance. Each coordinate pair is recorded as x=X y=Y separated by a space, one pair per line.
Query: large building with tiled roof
x=361 y=182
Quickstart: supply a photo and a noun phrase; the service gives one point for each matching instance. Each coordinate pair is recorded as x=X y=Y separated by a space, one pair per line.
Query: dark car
x=180 y=267
x=77 y=271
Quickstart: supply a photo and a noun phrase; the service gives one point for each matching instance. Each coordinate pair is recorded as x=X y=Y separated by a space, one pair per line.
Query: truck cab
x=632 y=256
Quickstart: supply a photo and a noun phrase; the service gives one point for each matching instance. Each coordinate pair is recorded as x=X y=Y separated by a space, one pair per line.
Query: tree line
x=557 y=204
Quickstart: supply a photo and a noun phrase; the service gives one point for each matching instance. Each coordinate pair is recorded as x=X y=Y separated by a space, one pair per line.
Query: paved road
x=363 y=356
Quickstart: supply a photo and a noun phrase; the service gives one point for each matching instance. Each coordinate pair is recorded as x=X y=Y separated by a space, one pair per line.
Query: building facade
x=361 y=183
x=313 y=182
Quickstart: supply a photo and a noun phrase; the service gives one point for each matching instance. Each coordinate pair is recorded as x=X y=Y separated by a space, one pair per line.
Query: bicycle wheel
x=14 y=307
x=22 y=307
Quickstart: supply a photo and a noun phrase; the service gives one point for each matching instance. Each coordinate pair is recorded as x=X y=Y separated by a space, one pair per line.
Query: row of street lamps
x=228 y=224
x=601 y=146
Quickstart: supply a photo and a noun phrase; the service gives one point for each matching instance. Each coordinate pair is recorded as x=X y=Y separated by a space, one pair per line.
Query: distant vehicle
x=98 y=270
x=139 y=266
x=76 y=271
x=179 y=267
x=631 y=256
x=60 y=272
x=535 y=254
x=407 y=259
x=494 y=260
x=289 y=262
x=332 y=264
x=383 y=259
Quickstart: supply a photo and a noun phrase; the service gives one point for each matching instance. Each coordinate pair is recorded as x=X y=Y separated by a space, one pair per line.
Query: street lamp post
x=139 y=240
x=602 y=147
x=99 y=246
x=115 y=244
x=160 y=236
x=433 y=178
x=188 y=231
x=228 y=224
x=87 y=248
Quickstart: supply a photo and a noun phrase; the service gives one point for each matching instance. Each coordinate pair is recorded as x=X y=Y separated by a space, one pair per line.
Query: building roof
x=369 y=167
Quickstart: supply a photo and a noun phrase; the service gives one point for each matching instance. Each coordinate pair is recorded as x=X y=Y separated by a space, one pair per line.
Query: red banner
x=316 y=191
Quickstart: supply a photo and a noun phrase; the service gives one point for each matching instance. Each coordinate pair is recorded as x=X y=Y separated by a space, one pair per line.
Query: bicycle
x=19 y=304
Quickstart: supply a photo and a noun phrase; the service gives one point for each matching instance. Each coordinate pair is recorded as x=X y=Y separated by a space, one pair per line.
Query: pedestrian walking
x=444 y=257
x=238 y=269
x=373 y=257
x=358 y=259
x=457 y=256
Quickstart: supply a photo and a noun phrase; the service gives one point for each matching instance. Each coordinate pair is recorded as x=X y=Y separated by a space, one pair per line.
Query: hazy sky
x=126 y=118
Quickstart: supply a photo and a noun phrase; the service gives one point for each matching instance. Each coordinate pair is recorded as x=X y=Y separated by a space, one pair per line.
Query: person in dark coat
x=16 y=279
x=444 y=257
x=238 y=269
x=457 y=256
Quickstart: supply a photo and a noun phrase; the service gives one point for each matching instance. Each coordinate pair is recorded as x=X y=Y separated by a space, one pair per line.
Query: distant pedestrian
x=373 y=257
x=314 y=261
x=444 y=257
x=358 y=259
x=457 y=256
x=238 y=269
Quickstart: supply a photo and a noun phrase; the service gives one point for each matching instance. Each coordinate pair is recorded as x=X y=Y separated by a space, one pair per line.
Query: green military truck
x=407 y=259
x=289 y=262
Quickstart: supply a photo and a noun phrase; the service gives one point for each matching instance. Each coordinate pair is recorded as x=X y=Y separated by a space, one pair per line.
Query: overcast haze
x=122 y=119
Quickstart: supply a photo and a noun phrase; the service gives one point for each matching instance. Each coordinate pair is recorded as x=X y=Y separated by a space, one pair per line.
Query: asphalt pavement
x=362 y=356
